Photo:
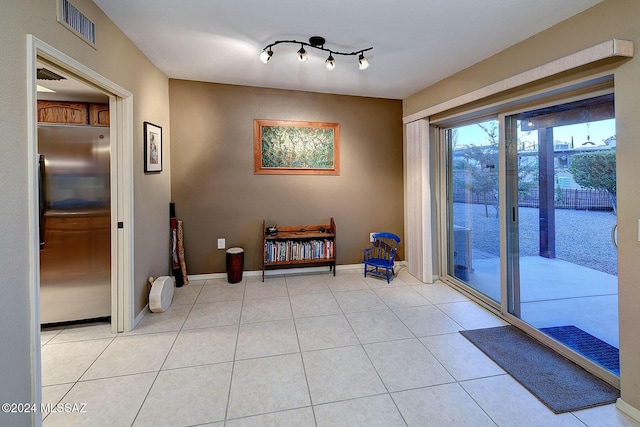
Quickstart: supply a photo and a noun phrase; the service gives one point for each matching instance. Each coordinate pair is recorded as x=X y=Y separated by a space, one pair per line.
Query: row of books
x=289 y=250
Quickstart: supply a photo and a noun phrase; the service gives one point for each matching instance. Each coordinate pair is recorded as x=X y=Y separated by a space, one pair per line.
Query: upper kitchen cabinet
x=99 y=114
x=74 y=113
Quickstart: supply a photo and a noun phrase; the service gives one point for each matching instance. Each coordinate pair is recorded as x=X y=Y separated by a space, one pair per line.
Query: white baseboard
x=628 y=409
x=208 y=276
x=140 y=315
x=280 y=272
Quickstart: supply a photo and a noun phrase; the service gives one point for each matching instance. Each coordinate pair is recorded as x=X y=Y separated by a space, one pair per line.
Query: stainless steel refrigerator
x=75 y=223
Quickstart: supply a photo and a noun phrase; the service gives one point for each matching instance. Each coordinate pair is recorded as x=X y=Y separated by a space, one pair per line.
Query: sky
x=596 y=131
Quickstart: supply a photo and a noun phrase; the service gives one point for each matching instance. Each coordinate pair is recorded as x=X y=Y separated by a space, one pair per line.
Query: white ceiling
x=68 y=89
x=415 y=42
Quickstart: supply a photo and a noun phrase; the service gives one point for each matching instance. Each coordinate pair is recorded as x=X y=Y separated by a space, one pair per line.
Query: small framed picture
x=152 y=148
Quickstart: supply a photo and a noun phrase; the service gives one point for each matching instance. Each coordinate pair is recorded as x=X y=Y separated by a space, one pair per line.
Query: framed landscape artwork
x=152 y=148
x=296 y=148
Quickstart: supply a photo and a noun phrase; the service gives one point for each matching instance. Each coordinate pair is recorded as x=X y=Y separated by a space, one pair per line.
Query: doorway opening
x=120 y=127
x=74 y=188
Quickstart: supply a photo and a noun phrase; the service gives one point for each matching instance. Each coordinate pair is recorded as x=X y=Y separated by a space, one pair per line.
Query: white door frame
x=121 y=131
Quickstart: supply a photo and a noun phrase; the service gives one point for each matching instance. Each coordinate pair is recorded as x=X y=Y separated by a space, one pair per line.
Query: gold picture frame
x=285 y=147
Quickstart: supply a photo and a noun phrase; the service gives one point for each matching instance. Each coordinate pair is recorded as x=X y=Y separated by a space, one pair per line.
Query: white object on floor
x=161 y=294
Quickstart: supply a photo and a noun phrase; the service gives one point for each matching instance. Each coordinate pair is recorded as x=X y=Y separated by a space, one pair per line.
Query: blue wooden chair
x=380 y=255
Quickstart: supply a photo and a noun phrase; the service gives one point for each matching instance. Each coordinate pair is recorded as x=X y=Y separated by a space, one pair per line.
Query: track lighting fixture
x=317 y=42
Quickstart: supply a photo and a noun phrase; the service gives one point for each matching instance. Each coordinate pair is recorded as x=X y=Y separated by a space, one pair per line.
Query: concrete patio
x=557 y=293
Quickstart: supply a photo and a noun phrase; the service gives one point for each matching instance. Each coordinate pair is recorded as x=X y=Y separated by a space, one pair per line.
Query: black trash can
x=235 y=264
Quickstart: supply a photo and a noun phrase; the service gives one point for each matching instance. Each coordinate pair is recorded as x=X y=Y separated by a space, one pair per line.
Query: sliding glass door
x=530 y=215
x=473 y=227
x=562 y=263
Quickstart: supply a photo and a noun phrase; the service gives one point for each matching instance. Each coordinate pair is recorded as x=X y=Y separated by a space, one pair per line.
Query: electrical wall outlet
x=371 y=236
x=222 y=244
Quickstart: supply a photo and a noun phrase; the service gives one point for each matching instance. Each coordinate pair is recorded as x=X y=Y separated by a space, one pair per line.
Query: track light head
x=265 y=55
x=330 y=63
x=302 y=54
x=363 y=63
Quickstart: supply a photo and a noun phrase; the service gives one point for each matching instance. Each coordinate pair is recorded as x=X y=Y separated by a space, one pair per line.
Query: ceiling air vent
x=76 y=21
x=44 y=74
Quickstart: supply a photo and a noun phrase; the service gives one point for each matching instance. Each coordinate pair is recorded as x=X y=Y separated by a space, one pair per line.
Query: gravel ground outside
x=582 y=237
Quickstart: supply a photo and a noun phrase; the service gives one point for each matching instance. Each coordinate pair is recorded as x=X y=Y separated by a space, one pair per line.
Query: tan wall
x=610 y=19
x=117 y=59
x=218 y=196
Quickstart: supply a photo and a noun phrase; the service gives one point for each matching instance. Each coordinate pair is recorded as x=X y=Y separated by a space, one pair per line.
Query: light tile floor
x=296 y=350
